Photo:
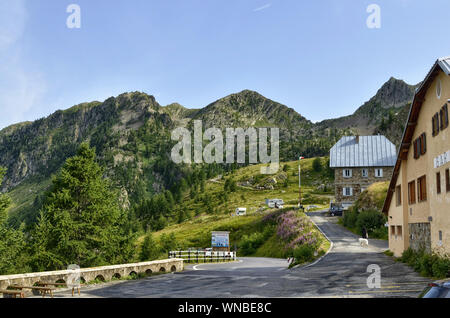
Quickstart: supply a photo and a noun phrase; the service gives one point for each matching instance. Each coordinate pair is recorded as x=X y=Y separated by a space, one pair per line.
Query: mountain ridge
x=132 y=135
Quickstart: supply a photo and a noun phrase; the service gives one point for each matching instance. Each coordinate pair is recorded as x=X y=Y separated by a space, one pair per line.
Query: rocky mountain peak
x=395 y=93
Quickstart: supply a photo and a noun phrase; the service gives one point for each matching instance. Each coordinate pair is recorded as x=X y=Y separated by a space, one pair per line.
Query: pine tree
x=83 y=218
x=12 y=242
x=317 y=164
x=149 y=250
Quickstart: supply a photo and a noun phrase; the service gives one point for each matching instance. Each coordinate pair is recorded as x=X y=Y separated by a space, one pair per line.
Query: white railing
x=203 y=256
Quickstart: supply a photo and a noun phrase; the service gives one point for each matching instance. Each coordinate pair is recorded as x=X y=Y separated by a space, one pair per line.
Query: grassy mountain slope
x=216 y=215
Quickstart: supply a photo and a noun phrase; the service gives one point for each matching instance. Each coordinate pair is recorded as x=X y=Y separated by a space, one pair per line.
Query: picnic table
x=13 y=293
x=60 y=285
x=43 y=290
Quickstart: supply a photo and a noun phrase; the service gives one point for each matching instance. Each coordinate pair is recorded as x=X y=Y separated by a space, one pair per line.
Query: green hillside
x=256 y=233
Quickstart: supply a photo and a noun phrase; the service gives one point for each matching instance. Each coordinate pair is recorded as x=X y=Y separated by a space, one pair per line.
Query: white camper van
x=275 y=203
x=241 y=211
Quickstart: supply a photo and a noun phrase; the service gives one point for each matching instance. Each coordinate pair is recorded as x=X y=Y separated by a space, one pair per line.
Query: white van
x=241 y=211
x=275 y=203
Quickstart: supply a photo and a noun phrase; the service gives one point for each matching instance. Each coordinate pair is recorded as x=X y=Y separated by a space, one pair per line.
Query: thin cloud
x=266 y=6
x=21 y=88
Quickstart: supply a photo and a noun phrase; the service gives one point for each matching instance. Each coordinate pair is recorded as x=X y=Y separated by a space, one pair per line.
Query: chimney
x=357 y=139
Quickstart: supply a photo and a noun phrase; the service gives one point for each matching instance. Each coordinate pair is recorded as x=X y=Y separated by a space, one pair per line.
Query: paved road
x=341 y=273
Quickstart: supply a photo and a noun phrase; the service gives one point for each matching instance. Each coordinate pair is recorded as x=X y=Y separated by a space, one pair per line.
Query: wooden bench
x=13 y=293
x=60 y=285
x=43 y=290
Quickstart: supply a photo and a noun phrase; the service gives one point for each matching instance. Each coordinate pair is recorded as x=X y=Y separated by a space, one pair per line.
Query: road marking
x=195 y=268
x=393 y=284
x=386 y=291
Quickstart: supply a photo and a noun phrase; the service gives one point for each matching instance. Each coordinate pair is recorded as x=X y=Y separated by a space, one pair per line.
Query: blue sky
x=318 y=57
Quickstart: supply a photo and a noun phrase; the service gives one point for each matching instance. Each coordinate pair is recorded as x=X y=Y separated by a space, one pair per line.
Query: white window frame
x=379 y=175
x=344 y=191
x=365 y=173
x=345 y=173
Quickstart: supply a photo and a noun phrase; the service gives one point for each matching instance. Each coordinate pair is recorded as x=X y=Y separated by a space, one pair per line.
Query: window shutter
x=433 y=129
x=415 y=148
x=446 y=116
x=351 y=191
x=424 y=143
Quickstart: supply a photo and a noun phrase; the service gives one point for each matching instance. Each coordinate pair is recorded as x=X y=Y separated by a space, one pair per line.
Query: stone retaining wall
x=88 y=274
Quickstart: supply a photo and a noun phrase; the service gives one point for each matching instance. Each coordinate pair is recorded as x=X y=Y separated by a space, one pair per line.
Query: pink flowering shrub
x=295 y=230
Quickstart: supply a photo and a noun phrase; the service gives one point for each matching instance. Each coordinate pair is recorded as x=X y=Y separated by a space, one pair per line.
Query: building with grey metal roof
x=360 y=161
x=363 y=151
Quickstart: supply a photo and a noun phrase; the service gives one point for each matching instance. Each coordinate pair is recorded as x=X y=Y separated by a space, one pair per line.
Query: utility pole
x=300 y=183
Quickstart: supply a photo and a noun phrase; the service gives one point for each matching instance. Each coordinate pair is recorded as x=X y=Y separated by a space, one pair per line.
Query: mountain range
x=131 y=134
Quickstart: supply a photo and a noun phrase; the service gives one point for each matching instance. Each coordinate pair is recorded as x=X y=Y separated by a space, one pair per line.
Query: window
x=440 y=236
x=347 y=173
x=443 y=114
x=392 y=230
x=423 y=144
x=379 y=173
x=365 y=173
x=422 y=189
x=412 y=192
x=416 y=149
x=438 y=183
x=435 y=124
x=447 y=180
x=399 y=231
x=398 y=195
x=348 y=192
x=420 y=146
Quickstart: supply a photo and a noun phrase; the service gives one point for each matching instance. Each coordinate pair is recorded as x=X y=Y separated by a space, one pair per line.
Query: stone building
x=360 y=161
x=418 y=200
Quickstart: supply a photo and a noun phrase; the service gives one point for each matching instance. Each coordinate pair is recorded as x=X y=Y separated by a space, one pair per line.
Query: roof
x=442 y=64
x=370 y=151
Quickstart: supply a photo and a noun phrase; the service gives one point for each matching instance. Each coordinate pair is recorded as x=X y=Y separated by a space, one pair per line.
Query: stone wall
x=105 y=273
x=420 y=236
x=357 y=182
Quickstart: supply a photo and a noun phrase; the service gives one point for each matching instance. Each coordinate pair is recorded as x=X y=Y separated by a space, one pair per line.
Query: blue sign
x=220 y=239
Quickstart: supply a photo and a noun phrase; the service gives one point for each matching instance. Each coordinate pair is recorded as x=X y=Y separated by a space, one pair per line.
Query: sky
x=318 y=57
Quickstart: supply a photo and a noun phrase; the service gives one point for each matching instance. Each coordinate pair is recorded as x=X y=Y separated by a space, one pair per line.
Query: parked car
x=440 y=289
x=336 y=210
x=241 y=211
x=208 y=252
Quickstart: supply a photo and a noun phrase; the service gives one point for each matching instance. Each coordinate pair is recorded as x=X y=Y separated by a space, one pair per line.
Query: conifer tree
x=12 y=242
x=82 y=218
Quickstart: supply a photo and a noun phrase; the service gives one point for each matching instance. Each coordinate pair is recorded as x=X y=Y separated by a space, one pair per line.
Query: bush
x=303 y=254
x=430 y=265
x=441 y=267
x=350 y=218
x=371 y=220
x=317 y=165
x=250 y=243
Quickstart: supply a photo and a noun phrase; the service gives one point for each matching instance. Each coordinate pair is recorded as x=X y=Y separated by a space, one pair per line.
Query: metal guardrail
x=203 y=256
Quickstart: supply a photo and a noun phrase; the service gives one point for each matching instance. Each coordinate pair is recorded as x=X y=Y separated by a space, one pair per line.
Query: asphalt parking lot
x=341 y=273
